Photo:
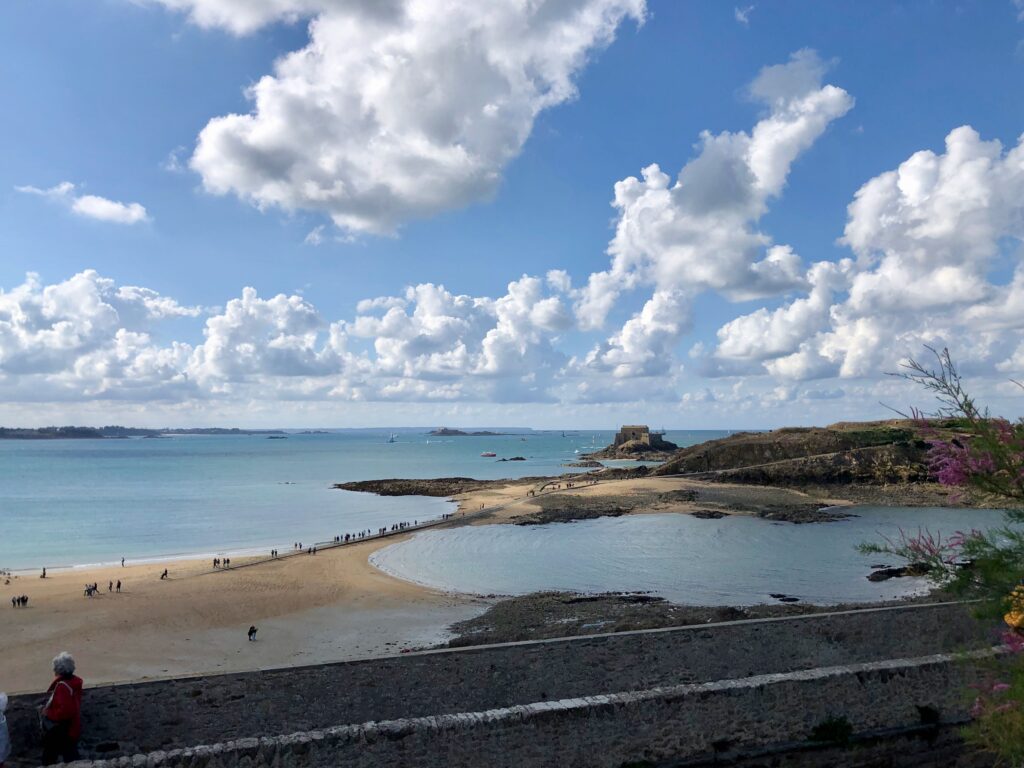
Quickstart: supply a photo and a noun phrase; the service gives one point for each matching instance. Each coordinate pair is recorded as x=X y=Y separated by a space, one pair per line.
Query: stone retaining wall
x=144 y=717
x=608 y=731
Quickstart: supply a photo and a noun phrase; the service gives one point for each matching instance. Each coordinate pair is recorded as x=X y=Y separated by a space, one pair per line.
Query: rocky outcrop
x=658 y=449
x=878 y=465
x=885 y=573
x=867 y=453
x=569 y=507
x=441 y=486
x=802 y=513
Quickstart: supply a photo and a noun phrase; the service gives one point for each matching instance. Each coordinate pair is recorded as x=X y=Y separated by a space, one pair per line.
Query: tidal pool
x=736 y=560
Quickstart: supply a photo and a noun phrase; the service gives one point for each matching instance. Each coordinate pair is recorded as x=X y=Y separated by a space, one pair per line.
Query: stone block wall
x=167 y=714
x=608 y=731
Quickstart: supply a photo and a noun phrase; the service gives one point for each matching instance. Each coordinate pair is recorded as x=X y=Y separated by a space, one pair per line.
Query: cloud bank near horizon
x=923 y=240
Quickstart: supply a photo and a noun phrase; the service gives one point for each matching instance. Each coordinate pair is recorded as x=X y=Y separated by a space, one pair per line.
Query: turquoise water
x=72 y=502
x=731 y=561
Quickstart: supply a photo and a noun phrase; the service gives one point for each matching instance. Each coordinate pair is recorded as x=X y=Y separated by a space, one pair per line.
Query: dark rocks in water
x=442 y=486
x=514 y=458
x=570 y=514
x=438 y=486
x=708 y=514
x=896 y=572
x=445 y=432
x=585 y=464
x=783 y=598
x=802 y=513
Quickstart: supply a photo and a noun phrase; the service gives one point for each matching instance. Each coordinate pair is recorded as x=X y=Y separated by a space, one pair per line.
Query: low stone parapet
x=645 y=727
x=175 y=713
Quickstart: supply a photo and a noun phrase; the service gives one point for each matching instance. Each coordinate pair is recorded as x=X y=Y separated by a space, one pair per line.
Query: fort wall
x=686 y=664
x=634 y=728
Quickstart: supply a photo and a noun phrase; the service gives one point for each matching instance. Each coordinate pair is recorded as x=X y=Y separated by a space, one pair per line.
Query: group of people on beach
x=91 y=590
x=19 y=602
x=299 y=547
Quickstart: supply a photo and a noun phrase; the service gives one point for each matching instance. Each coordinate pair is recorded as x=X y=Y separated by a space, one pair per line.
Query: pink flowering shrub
x=998 y=713
x=984 y=458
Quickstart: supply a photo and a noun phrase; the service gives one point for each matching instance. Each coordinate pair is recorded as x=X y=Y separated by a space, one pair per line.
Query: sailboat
x=392 y=438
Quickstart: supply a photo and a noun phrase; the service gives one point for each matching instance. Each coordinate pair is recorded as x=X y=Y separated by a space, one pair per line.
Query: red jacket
x=66 y=704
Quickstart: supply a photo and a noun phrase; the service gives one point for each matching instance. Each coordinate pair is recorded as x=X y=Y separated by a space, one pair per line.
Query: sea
x=79 y=503
x=84 y=502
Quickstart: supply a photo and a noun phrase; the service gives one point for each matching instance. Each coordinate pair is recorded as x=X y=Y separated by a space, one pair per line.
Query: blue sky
x=110 y=94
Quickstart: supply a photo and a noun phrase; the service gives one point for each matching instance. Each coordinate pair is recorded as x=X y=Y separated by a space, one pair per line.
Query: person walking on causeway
x=61 y=717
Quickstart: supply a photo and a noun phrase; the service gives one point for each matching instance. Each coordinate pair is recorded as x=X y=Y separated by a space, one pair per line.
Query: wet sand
x=309 y=609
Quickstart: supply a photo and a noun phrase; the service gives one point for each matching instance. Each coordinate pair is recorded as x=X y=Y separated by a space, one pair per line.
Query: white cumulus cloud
x=91 y=206
x=700 y=232
x=396 y=110
x=925 y=236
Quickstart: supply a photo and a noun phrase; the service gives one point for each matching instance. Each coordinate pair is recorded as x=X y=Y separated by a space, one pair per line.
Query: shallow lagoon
x=737 y=560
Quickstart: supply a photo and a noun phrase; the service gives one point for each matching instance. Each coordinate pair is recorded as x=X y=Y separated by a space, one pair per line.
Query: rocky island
x=446 y=432
x=639 y=443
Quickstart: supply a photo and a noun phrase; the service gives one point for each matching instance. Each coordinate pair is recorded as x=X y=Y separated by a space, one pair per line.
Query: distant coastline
x=446 y=432
x=115 y=432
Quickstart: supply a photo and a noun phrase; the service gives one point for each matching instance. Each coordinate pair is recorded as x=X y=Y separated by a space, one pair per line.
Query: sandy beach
x=311 y=608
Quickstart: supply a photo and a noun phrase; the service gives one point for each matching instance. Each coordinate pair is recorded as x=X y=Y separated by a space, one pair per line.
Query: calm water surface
x=65 y=502
x=731 y=561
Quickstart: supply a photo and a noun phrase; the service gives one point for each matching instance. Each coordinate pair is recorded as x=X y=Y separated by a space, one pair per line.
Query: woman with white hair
x=5 y=736
x=61 y=716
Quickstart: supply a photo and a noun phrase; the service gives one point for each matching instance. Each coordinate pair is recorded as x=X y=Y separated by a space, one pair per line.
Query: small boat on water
x=392 y=438
x=488 y=454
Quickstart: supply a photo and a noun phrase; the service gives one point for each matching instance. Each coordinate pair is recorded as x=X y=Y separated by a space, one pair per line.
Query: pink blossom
x=1013 y=641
